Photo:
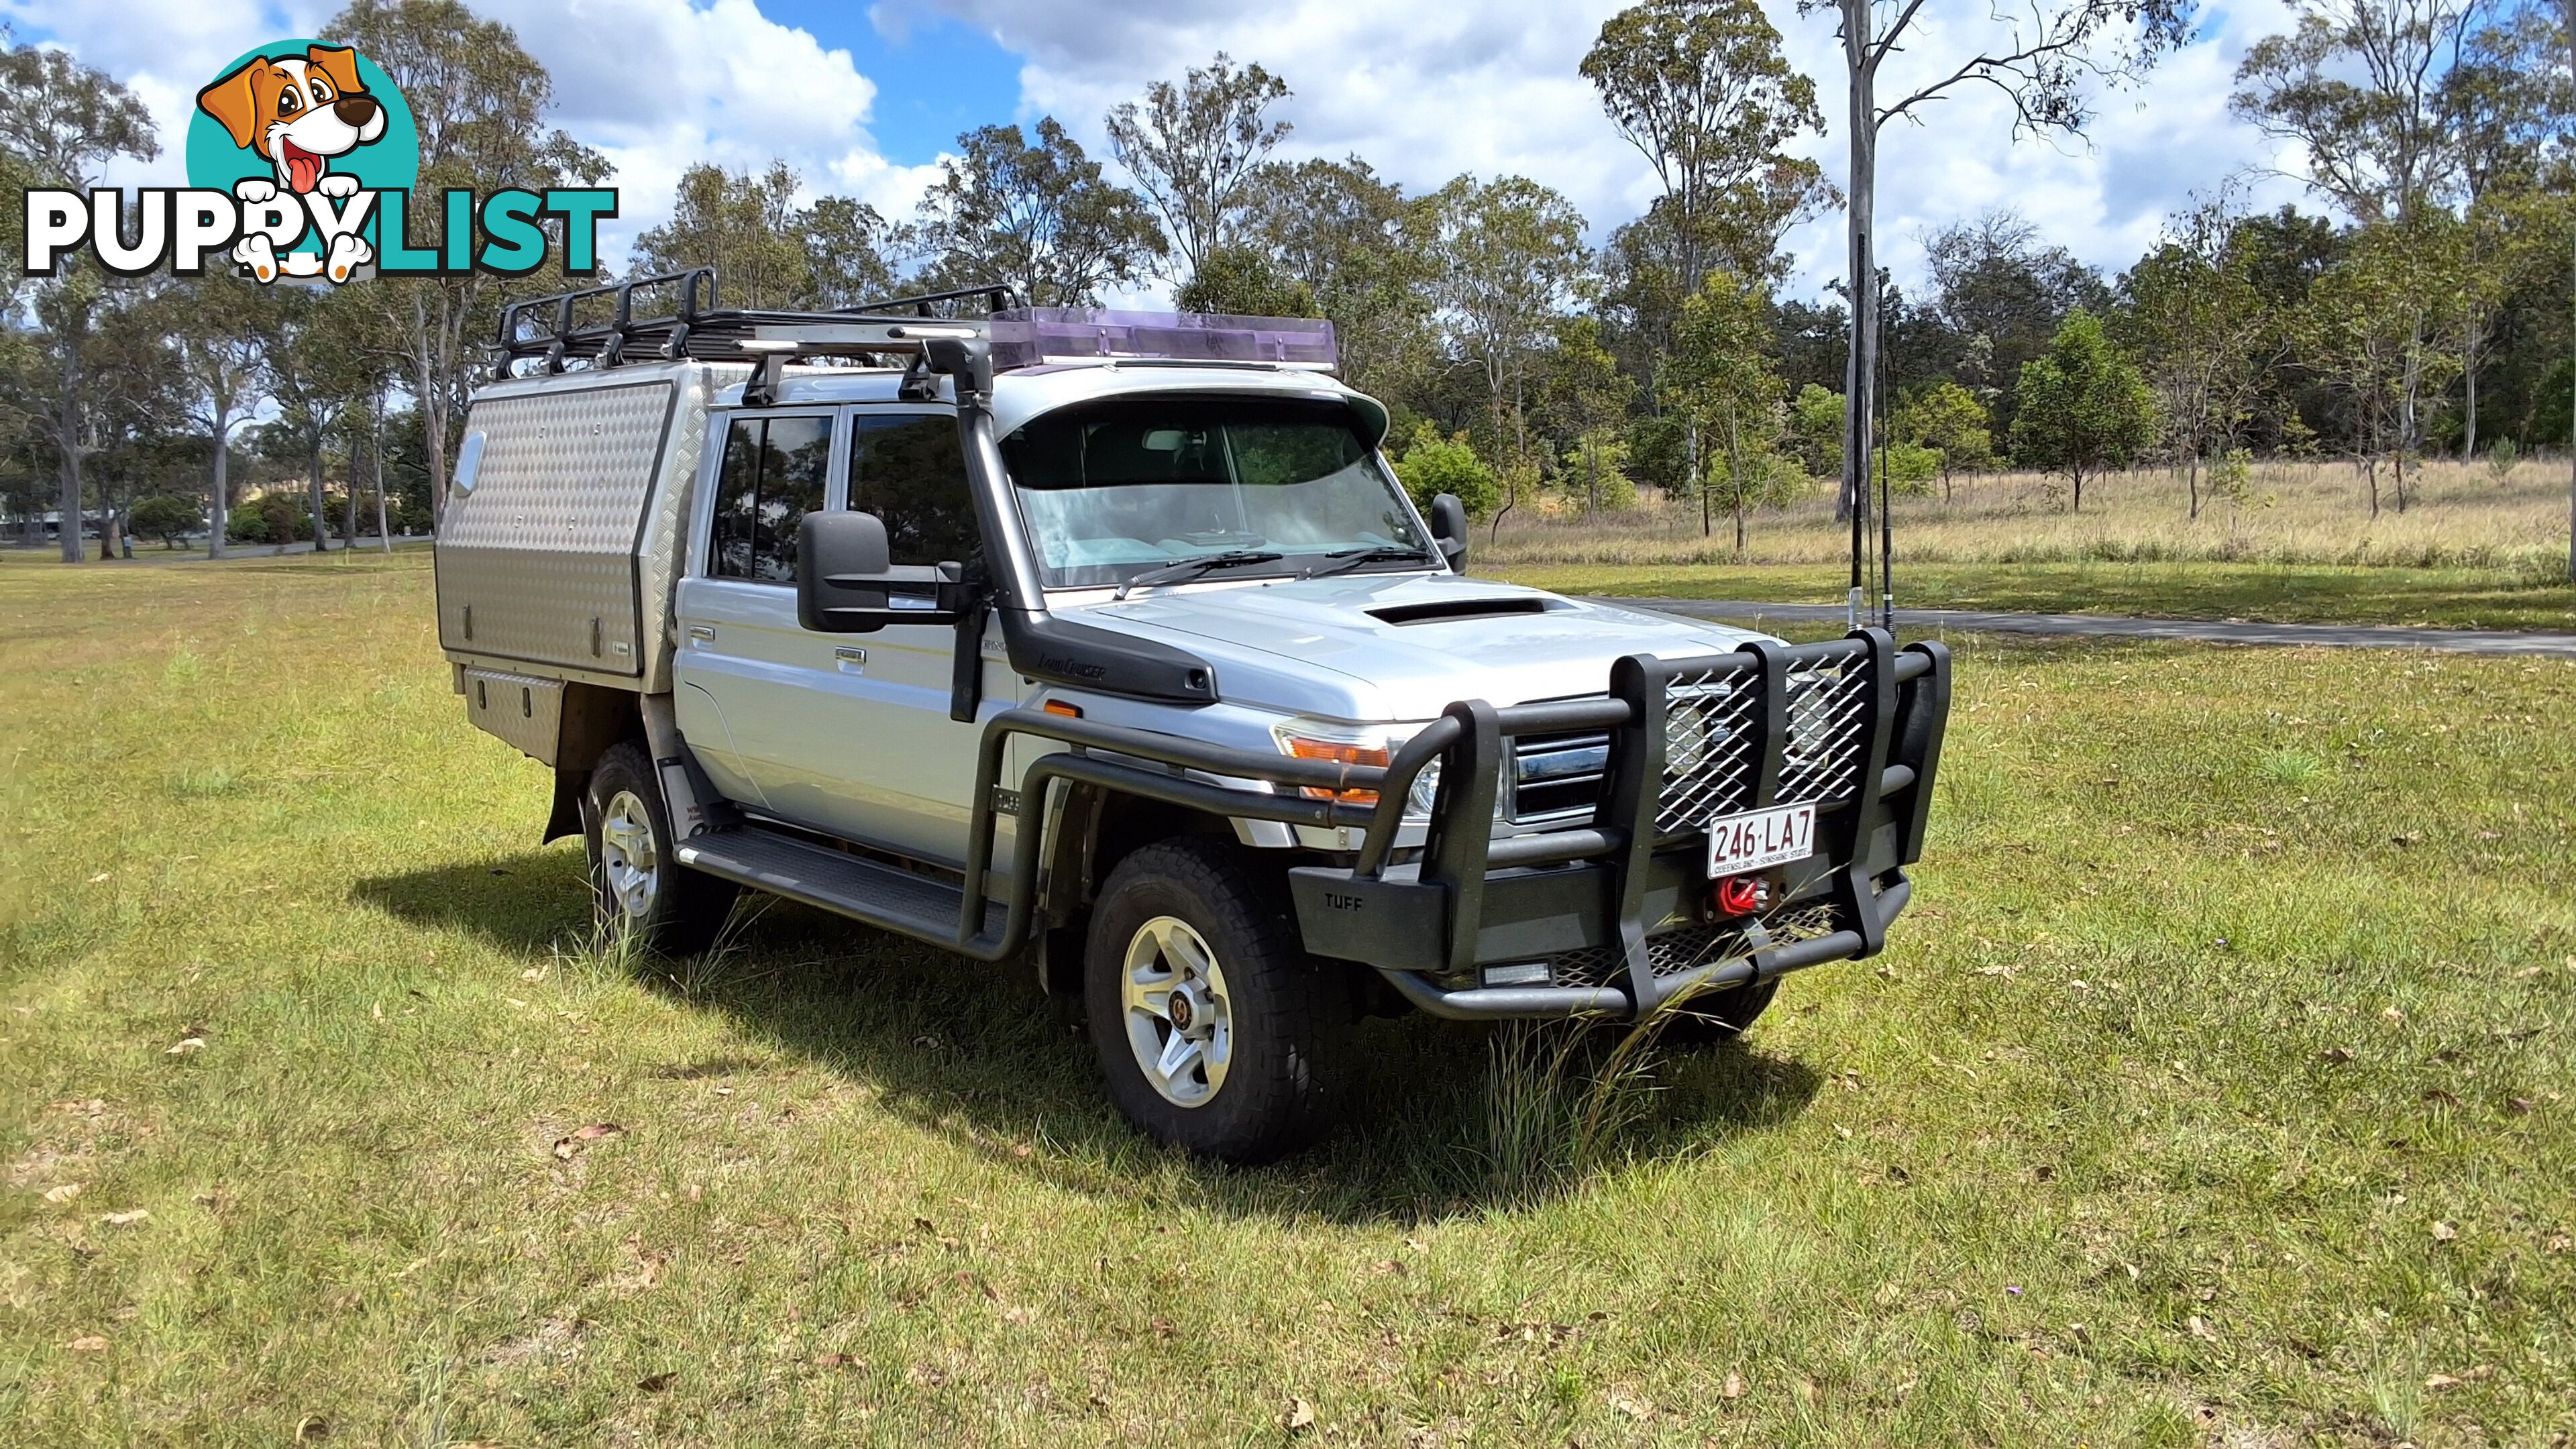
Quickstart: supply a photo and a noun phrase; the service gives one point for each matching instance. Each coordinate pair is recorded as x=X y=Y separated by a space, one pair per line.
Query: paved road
x=2350 y=636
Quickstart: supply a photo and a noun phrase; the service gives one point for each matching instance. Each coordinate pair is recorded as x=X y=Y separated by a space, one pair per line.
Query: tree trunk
x=376 y=460
x=433 y=433
x=220 y=510
x=321 y=506
x=1735 y=474
x=1861 y=216
x=1698 y=475
x=2191 y=480
x=2469 y=381
x=67 y=438
x=2076 y=471
x=349 y=511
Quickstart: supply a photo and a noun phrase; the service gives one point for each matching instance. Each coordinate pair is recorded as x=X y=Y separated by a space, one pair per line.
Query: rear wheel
x=637 y=881
x=1215 y=1029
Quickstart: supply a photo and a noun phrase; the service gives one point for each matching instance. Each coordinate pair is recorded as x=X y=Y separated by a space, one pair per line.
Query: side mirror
x=845 y=583
x=841 y=566
x=1449 y=529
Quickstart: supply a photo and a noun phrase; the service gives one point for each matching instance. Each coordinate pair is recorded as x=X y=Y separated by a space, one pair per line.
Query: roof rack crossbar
x=549 y=332
x=998 y=297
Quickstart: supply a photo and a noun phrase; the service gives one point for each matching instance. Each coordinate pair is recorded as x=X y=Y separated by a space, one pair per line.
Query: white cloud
x=1425 y=92
x=653 y=85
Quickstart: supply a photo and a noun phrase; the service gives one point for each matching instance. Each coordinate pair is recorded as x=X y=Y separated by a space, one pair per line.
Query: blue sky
x=862 y=99
x=936 y=76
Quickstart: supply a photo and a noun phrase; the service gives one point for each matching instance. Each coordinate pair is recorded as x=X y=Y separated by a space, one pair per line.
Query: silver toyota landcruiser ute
x=1107 y=644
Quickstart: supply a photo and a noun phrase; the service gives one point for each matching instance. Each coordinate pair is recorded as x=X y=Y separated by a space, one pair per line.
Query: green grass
x=2217 y=1090
x=2458 y=598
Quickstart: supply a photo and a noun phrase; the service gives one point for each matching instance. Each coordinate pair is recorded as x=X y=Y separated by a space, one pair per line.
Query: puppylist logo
x=301 y=162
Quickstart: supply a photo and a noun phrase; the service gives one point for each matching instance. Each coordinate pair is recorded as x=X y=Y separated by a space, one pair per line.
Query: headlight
x=1310 y=739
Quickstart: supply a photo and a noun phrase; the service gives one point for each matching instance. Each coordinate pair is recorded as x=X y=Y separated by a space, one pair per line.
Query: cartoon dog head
x=297 y=112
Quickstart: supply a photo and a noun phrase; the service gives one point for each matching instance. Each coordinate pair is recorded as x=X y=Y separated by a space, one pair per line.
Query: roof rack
x=597 y=327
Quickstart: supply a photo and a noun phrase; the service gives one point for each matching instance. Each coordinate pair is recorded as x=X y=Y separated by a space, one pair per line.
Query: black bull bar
x=1852 y=726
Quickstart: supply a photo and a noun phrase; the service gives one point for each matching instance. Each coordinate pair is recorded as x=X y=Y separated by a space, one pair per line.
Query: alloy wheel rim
x=628 y=858
x=1180 y=1021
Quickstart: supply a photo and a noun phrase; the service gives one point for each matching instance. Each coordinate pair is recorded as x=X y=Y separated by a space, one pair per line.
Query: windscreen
x=1116 y=489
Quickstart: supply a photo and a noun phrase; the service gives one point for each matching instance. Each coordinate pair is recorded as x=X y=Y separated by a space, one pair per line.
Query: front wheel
x=638 y=883
x=1215 y=1029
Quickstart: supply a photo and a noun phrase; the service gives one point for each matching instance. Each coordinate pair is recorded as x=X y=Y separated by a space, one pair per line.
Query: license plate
x=1759 y=839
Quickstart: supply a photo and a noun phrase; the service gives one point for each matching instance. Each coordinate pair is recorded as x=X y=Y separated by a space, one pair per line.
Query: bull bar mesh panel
x=1711 y=758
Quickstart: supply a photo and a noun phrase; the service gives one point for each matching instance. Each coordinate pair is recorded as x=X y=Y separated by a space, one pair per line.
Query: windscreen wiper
x=1346 y=559
x=1190 y=568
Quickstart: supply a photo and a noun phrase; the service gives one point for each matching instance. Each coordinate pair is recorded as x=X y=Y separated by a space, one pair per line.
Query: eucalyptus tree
x=2200 y=328
x=1586 y=395
x=219 y=326
x=1365 y=251
x=60 y=123
x=2367 y=91
x=480 y=102
x=1033 y=212
x=1720 y=369
x=2043 y=57
x=1513 y=263
x=321 y=385
x=1701 y=89
x=1192 y=149
x=768 y=248
x=2085 y=408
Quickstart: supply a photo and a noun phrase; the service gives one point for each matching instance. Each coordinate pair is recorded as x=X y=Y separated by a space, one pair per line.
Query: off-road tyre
x=1715 y=1018
x=667 y=908
x=1288 y=1015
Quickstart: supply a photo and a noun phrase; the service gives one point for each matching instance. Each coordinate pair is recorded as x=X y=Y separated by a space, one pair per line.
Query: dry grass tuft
x=2457 y=516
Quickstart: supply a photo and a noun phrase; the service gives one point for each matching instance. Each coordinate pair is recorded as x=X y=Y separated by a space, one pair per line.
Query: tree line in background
x=2425 y=310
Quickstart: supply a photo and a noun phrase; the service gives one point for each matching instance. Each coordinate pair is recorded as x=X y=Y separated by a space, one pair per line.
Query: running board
x=887 y=897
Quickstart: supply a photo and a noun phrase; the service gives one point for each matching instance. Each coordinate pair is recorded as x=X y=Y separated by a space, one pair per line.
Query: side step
x=919 y=906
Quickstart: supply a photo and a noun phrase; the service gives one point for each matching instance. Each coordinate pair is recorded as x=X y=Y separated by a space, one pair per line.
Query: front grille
x=1709 y=759
x=1822 y=763
x=1671 y=953
x=1557 y=774
x=1710 y=738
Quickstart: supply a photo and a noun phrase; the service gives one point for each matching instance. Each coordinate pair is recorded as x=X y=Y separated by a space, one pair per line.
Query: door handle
x=850 y=659
x=702 y=632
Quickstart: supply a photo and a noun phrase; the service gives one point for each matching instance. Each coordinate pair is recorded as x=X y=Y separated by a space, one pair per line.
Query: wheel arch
x=1090 y=829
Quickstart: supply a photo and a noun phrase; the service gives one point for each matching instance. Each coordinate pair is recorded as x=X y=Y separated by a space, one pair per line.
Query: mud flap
x=570 y=785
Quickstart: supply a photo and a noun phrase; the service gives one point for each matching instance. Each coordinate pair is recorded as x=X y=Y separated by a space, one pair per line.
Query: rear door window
x=773 y=474
x=909 y=470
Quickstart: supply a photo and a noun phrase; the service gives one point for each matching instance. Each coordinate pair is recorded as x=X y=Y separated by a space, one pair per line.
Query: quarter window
x=908 y=470
x=773 y=475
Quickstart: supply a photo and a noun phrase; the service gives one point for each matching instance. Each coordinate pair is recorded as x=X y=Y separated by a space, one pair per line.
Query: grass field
x=2216 y=1091
x=2264 y=593
x=2472 y=550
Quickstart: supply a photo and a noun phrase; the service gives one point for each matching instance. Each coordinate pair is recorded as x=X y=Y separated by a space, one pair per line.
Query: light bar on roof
x=1029 y=336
